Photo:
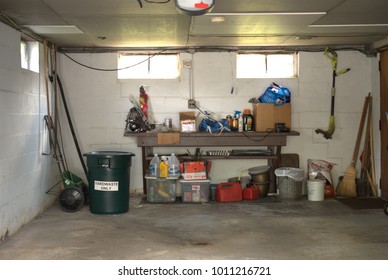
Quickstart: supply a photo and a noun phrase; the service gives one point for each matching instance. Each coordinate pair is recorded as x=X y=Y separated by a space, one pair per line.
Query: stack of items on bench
x=164 y=176
x=195 y=183
x=162 y=179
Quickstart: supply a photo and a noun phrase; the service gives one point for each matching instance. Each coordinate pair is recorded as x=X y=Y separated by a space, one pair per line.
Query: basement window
x=148 y=66
x=29 y=55
x=266 y=66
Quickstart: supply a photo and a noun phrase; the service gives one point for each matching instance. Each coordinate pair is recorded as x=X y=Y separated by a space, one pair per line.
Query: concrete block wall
x=25 y=174
x=99 y=103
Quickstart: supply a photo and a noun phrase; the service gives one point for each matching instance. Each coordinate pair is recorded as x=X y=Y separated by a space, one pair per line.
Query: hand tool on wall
x=333 y=57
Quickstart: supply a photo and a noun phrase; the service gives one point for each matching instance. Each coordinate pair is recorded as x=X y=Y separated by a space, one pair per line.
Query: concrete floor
x=274 y=231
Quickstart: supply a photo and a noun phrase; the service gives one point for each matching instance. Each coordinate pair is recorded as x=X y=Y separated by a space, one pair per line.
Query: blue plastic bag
x=276 y=94
x=213 y=126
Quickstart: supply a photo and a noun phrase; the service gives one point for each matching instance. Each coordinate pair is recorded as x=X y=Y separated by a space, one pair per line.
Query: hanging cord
x=109 y=69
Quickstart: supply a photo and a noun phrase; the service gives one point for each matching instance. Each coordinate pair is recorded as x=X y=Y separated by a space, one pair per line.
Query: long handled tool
x=71 y=126
x=332 y=55
x=347 y=187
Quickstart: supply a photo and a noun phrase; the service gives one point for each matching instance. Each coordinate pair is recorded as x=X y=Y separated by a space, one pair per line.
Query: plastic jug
x=155 y=166
x=173 y=166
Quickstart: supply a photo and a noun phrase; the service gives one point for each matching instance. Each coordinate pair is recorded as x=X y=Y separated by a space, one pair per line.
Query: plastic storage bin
x=108 y=178
x=161 y=190
x=195 y=191
x=289 y=182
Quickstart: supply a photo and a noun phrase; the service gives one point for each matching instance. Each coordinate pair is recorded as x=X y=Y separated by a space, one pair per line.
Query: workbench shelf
x=273 y=141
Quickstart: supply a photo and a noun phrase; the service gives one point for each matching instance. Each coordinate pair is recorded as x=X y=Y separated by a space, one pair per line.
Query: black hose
x=71 y=127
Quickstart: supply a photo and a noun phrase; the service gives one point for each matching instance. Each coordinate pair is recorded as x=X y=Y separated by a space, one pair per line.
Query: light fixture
x=194 y=7
x=54 y=29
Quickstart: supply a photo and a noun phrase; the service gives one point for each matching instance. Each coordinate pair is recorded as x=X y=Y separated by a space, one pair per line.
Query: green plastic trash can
x=108 y=177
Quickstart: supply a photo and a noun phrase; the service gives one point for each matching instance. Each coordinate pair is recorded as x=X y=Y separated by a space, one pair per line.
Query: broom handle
x=360 y=129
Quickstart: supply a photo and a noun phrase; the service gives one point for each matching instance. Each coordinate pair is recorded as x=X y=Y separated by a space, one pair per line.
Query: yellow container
x=163 y=169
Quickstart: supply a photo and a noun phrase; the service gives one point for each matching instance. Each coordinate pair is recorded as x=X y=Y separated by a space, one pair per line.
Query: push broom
x=347 y=187
x=332 y=55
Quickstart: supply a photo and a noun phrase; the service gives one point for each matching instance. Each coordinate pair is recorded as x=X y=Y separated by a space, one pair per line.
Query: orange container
x=229 y=192
x=251 y=192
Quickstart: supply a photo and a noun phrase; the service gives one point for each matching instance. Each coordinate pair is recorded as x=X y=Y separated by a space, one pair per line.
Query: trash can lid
x=108 y=154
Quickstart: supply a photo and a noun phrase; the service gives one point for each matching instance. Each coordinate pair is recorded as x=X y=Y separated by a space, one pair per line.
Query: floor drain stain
x=204 y=243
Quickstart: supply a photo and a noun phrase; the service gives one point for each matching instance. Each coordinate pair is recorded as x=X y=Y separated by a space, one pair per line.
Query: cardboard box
x=168 y=138
x=267 y=115
x=193 y=166
x=195 y=170
x=188 y=122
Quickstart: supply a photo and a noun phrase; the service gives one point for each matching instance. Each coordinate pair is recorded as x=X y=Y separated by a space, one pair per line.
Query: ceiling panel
x=224 y=6
x=156 y=31
x=109 y=7
x=126 y=23
x=249 y=25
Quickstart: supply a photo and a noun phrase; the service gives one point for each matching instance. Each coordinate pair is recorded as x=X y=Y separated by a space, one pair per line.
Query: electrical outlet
x=187 y=63
x=191 y=104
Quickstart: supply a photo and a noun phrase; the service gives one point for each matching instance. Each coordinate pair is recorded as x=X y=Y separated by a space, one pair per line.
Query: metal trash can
x=108 y=177
x=289 y=182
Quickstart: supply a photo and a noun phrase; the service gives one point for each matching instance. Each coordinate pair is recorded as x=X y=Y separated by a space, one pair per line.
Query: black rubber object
x=71 y=199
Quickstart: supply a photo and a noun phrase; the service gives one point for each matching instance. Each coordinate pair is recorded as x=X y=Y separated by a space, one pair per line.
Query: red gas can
x=251 y=192
x=229 y=192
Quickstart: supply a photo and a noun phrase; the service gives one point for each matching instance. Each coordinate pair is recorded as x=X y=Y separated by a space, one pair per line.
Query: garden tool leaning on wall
x=332 y=55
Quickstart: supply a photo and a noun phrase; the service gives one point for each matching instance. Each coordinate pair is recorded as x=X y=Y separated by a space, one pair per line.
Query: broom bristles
x=347 y=187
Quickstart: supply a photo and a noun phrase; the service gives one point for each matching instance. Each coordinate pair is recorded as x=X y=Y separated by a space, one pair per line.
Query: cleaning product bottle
x=247 y=120
x=163 y=169
x=236 y=115
x=173 y=166
x=155 y=166
x=143 y=99
x=240 y=123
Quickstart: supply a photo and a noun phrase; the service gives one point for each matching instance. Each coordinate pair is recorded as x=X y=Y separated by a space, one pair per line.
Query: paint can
x=316 y=190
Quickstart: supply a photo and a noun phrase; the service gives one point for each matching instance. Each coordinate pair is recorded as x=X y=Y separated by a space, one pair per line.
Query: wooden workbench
x=273 y=141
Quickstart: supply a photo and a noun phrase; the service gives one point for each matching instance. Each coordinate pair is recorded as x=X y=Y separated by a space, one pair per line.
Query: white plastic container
x=316 y=190
x=155 y=166
x=173 y=165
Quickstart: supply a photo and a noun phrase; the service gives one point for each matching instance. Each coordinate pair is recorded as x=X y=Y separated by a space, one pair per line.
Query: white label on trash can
x=106 y=186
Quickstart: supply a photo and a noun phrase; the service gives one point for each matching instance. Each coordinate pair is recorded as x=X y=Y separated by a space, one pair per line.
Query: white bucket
x=316 y=190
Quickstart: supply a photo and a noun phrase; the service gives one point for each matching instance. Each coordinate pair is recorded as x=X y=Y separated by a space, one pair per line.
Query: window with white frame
x=148 y=66
x=266 y=66
x=29 y=55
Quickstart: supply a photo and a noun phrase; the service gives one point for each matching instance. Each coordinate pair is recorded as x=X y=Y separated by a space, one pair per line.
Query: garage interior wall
x=99 y=103
x=25 y=174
